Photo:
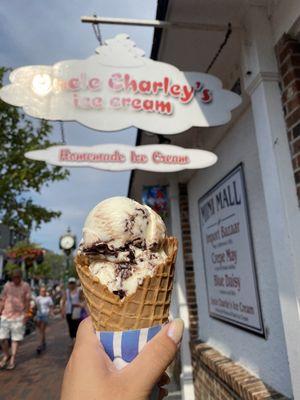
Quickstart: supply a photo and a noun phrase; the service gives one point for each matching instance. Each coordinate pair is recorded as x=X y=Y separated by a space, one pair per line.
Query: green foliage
x=40 y=271
x=53 y=265
x=10 y=267
x=19 y=175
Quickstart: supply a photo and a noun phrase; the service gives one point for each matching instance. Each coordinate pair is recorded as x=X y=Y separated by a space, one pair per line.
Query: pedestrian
x=15 y=302
x=44 y=305
x=57 y=294
x=71 y=307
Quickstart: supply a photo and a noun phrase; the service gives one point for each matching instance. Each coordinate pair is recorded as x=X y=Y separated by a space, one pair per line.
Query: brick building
x=253 y=353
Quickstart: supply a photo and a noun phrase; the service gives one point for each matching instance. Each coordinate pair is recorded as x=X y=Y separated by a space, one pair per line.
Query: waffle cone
x=148 y=306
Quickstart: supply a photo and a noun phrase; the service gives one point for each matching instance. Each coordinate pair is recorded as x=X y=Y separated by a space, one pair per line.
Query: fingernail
x=175 y=330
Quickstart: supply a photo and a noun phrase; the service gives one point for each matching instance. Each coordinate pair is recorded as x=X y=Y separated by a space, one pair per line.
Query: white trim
x=278 y=183
x=143 y=339
x=186 y=377
x=261 y=77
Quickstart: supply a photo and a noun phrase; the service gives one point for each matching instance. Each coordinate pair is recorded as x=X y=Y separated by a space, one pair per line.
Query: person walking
x=57 y=294
x=71 y=307
x=44 y=305
x=14 y=307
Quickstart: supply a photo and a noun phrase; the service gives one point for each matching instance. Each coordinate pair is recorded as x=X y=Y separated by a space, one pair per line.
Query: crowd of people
x=22 y=308
x=19 y=303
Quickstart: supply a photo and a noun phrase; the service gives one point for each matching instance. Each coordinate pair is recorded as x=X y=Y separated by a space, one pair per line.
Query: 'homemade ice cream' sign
x=228 y=254
x=118 y=88
x=158 y=158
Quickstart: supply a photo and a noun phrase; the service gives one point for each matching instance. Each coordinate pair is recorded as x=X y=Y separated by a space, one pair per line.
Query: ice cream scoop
x=124 y=242
x=120 y=220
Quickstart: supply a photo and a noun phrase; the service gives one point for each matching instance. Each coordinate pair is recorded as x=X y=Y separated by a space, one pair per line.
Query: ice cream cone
x=147 y=307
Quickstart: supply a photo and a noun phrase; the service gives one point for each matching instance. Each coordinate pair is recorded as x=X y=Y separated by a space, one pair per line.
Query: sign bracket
x=157 y=24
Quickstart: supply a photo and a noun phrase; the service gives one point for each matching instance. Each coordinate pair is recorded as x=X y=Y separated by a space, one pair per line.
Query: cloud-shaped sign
x=121 y=157
x=117 y=88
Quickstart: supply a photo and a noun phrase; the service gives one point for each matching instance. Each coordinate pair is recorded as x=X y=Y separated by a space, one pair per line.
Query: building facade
x=252 y=352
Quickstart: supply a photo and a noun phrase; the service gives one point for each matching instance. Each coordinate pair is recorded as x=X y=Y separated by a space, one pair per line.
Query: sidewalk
x=38 y=377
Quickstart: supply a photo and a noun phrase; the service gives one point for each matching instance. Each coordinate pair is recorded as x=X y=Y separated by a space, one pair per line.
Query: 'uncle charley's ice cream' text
x=151 y=96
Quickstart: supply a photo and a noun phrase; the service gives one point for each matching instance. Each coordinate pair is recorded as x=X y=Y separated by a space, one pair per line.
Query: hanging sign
x=231 y=280
x=121 y=157
x=117 y=88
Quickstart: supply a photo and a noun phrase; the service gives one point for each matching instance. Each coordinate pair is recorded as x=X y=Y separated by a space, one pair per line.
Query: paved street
x=38 y=377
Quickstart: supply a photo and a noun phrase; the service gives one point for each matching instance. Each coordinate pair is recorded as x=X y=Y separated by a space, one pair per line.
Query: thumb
x=155 y=357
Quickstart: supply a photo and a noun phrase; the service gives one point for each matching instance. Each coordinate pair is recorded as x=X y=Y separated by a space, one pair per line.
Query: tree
x=55 y=264
x=19 y=175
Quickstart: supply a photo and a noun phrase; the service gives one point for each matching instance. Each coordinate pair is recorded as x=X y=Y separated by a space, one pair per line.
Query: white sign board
x=117 y=88
x=231 y=280
x=120 y=157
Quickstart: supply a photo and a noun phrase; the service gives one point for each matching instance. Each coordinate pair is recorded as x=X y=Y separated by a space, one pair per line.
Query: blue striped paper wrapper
x=123 y=347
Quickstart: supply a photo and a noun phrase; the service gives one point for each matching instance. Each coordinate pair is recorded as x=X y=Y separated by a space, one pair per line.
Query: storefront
x=238 y=222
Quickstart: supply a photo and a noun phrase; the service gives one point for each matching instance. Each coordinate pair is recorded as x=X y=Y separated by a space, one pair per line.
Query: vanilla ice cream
x=124 y=243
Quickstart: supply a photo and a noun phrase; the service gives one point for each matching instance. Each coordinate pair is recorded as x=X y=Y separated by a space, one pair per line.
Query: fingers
x=88 y=344
x=87 y=367
x=153 y=360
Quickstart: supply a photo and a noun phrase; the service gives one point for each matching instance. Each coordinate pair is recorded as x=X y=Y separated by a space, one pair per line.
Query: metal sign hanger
x=156 y=23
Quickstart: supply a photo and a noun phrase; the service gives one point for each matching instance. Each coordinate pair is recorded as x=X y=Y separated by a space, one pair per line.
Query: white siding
x=265 y=358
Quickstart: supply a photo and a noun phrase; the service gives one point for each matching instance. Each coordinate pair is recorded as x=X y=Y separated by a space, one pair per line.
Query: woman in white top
x=44 y=305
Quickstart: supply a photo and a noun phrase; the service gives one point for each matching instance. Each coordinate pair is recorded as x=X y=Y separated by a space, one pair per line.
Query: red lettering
x=160 y=158
x=136 y=104
x=187 y=94
x=145 y=87
x=126 y=102
x=83 y=80
x=94 y=84
x=73 y=84
x=97 y=102
x=156 y=87
x=148 y=105
x=175 y=90
x=130 y=84
x=115 y=82
x=75 y=100
x=206 y=96
x=156 y=157
x=198 y=86
x=163 y=107
x=138 y=158
x=116 y=156
x=115 y=103
x=166 y=85
x=64 y=155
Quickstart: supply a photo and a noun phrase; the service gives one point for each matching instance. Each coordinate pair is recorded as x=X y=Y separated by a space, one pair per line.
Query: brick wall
x=216 y=377
x=188 y=261
x=288 y=56
x=219 y=378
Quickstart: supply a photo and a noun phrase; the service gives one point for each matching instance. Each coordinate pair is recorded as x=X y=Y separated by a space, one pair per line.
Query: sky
x=35 y=32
